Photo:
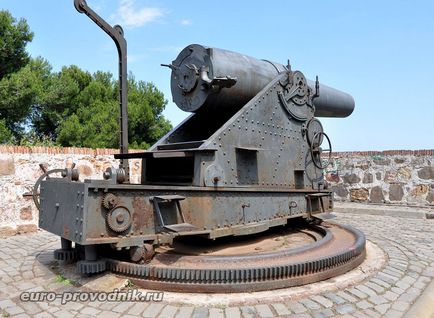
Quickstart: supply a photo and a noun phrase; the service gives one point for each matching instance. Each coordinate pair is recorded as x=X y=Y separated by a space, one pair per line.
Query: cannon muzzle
x=214 y=79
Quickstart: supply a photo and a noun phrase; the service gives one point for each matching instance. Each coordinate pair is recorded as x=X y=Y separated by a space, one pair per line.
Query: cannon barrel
x=209 y=79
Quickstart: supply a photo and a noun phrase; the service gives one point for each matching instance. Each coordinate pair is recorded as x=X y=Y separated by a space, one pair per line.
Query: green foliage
x=58 y=100
x=32 y=138
x=13 y=40
x=95 y=123
x=71 y=107
x=145 y=105
x=61 y=279
x=94 y=126
x=20 y=90
x=6 y=136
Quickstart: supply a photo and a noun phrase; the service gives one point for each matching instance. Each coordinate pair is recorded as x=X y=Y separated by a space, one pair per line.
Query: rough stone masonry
x=19 y=170
x=396 y=177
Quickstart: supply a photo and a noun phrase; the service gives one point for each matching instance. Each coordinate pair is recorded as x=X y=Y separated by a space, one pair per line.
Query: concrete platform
x=400 y=284
x=386 y=210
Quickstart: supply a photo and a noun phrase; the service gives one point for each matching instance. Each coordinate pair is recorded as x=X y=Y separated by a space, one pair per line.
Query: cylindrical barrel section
x=215 y=79
x=332 y=102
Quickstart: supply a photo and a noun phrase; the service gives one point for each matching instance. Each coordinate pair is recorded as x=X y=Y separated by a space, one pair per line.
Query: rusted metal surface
x=247 y=160
x=204 y=77
x=340 y=249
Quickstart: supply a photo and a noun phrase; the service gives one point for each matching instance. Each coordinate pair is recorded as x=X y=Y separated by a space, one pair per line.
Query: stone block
x=426 y=173
x=404 y=173
x=351 y=178
x=7 y=167
x=340 y=190
x=430 y=197
x=85 y=169
x=26 y=213
x=395 y=192
x=363 y=165
x=390 y=176
x=360 y=194
x=419 y=190
x=376 y=195
x=368 y=177
x=332 y=177
x=382 y=161
x=26 y=228
x=7 y=231
x=399 y=160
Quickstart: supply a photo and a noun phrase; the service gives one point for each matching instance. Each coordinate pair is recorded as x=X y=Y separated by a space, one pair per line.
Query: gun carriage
x=250 y=157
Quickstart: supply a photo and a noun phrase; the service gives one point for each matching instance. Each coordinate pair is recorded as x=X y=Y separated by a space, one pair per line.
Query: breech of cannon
x=214 y=79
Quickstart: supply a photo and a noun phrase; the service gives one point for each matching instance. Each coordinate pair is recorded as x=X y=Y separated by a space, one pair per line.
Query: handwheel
x=316 y=150
x=38 y=183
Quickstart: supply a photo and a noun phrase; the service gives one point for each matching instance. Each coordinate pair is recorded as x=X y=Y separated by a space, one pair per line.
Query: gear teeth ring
x=119 y=219
x=109 y=201
x=65 y=255
x=91 y=267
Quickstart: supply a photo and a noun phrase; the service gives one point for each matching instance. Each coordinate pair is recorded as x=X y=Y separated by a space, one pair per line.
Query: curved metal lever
x=117 y=34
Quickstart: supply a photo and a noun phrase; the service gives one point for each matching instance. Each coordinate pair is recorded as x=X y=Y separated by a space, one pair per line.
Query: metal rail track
x=341 y=249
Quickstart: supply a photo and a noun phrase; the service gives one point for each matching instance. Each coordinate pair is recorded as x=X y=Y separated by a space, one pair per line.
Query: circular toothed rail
x=336 y=250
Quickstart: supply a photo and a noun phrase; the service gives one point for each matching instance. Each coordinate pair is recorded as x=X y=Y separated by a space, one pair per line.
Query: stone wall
x=19 y=169
x=391 y=177
x=397 y=177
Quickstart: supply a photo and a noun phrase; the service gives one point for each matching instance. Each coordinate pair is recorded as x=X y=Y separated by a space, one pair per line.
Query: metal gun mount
x=248 y=158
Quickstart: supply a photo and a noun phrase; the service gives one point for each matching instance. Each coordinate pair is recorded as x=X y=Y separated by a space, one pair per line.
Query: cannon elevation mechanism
x=249 y=158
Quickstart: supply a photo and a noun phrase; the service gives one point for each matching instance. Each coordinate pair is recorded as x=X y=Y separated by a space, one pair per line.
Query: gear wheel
x=119 y=219
x=142 y=253
x=91 y=267
x=65 y=255
x=109 y=201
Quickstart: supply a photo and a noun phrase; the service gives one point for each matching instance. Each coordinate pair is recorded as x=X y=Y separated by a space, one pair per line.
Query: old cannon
x=250 y=157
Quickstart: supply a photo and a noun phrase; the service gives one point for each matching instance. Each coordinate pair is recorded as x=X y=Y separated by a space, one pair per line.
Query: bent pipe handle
x=117 y=34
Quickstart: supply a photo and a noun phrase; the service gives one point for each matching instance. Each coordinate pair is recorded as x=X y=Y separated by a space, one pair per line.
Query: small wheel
x=316 y=150
x=80 y=5
x=38 y=183
x=142 y=253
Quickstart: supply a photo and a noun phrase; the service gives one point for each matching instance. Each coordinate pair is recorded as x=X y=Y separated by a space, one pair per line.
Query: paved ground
x=408 y=242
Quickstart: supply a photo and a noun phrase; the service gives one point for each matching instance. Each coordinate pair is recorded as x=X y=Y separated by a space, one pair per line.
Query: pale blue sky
x=381 y=52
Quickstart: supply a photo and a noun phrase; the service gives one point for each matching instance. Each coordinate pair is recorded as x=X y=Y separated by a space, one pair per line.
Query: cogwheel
x=109 y=201
x=119 y=219
x=91 y=267
x=142 y=253
x=65 y=255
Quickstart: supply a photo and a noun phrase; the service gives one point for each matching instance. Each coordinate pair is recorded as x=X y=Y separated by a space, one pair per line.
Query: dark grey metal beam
x=117 y=34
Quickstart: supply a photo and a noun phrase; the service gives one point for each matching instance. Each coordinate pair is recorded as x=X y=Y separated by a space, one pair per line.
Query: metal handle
x=117 y=34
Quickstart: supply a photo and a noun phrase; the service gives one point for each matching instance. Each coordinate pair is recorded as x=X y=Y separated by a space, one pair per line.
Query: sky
x=380 y=52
